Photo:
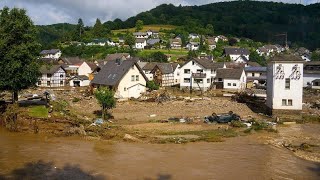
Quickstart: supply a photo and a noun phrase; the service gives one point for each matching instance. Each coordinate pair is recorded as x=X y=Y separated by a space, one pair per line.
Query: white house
x=166 y=74
x=235 y=53
x=140 y=43
x=193 y=46
x=256 y=75
x=79 y=81
x=285 y=83
x=198 y=74
x=52 y=76
x=140 y=35
x=221 y=37
x=231 y=78
x=193 y=36
x=125 y=77
x=52 y=53
x=212 y=43
x=311 y=72
x=147 y=67
x=86 y=68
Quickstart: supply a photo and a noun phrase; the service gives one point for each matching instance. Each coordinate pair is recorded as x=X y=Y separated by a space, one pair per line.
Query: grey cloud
x=57 y=11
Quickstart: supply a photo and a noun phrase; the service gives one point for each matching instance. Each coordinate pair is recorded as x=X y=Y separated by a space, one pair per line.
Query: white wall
x=234 y=57
x=239 y=83
x=128 y=88
x=84 y=70
x=55 y=79
x=276 y=87
x=176 y=75
x=82 y=83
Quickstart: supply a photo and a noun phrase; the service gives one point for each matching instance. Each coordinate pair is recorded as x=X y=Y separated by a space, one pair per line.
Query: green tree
x=255 y=57
x=315 y=56
x=19 y=50
x=209 y=30
x=80 y=29
x=98 y=29
x=139 y=25
x=151 y=85
x=130 y=41
x=192 y=54
x=159 y=57
x=106 y=99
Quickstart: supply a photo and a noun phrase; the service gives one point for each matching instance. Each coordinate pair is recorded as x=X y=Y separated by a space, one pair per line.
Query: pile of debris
x=156 y=96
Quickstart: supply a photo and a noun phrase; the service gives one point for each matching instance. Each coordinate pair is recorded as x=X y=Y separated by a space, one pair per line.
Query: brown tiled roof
x=116 y=56
x=228 y=73
x=286 y=57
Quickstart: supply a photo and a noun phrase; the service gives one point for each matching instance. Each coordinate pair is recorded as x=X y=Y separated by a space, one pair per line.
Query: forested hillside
x=260 y=21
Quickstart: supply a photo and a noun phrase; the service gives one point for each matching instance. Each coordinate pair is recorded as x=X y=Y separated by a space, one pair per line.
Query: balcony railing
x=199 y=75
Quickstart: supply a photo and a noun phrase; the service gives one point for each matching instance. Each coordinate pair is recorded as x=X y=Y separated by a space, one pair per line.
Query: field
x=174 y=54
x=146 y=28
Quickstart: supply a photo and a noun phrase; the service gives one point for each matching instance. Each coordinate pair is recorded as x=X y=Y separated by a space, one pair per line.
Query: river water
x=25 y=156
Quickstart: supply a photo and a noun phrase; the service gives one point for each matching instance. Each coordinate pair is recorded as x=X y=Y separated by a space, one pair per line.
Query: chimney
x=118 y=61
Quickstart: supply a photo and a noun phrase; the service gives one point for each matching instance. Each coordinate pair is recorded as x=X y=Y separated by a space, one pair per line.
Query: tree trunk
x=103 y=113
x=15 y=97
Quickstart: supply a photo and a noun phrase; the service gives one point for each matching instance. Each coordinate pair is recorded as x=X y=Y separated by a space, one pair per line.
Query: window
x=219 y=79
x=199 y=81
x=39 y=83
x=61 y=75
x=132 y=78
x=49 y=75
x=137 y=77
x=287 y=84
x=48 y=83
x=289 y=102
x=252 y=74
x=234 y=84
x=284 y=102
x=186 y=80
x=187 y=71
x=176 y=80
x=61 y=83
x=125 y=89
x=199 y=70
x=229 y=84
x=208 y=80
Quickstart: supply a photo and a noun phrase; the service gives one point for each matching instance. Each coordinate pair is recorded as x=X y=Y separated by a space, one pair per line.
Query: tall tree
x=209 y=30
x=80 y=29
x=130 y=41
x=139 y=25
x=98 y=29
x=19 y=50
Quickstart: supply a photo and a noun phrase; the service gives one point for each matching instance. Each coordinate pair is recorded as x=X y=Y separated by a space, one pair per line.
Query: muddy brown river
x=25 y=156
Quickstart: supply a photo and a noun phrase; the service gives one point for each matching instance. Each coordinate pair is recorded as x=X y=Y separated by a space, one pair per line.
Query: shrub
x=152 y=85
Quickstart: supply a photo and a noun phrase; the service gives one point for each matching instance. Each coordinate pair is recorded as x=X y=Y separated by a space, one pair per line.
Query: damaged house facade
x=125 y=77
x=52 y=76
x=166 y=74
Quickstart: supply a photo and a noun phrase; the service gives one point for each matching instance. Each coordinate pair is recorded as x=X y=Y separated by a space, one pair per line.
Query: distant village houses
x=52 y=54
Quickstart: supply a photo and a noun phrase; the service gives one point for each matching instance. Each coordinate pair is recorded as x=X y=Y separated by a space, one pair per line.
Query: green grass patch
x=174 y=54
x=38 y=112
x=146 y=28
x=309 y=119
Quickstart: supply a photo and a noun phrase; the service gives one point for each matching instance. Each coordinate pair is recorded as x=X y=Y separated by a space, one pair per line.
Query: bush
x=152 y=85
x=237 y=124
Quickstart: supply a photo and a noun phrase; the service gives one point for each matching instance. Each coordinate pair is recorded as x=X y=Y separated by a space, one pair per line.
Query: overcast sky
x=45 y=12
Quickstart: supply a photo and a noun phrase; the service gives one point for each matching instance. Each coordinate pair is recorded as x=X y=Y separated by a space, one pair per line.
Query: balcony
x=199 y=75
